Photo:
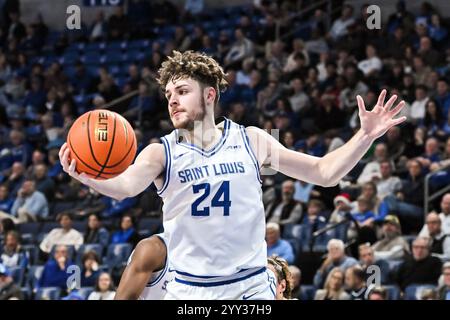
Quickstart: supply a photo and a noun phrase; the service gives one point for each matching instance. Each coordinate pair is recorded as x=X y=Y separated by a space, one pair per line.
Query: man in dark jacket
x=421 y=268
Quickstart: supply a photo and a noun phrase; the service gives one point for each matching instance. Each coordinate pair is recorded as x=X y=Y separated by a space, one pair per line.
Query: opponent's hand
x=377 y=122
x=64 y=154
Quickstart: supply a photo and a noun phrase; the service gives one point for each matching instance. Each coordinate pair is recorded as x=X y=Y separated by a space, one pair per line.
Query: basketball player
x=208 y=175
x=283 y=284
x=147 y=273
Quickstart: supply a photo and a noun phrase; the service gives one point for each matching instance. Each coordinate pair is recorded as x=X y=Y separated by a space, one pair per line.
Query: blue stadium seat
x=97 y=248
x=307 y=292
x=113 y=57
x=49 y=226
x=393 y=292
x=18 y=274
x=413 y=292
x=114 y=69
x=139 y=44
x=40 y=237
x=115 y=46
x=70 y=57
x=93 y=58
x=133 y=56
x=48 y=293
x=34 y=274
x=79 y=226
x=85 y=292
x=118 y=254
x=94 y=47
x=27 y=238
x=32 y=252
x=29 y=227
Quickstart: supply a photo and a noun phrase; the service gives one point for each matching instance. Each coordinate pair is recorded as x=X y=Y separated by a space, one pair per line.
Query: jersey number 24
x=224 y=190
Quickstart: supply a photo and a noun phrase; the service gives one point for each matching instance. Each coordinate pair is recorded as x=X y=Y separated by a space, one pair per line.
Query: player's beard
x=188 y=124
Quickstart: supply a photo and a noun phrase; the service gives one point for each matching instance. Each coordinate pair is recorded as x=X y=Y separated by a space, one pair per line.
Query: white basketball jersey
x=213 y=211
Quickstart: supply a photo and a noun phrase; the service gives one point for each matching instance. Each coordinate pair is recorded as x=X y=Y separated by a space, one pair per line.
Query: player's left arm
x=149 y=256
x=330 y=169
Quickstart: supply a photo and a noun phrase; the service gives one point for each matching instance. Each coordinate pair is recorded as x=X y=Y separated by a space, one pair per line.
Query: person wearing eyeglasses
x=334 y=287
x=440 y=241
x=421 y=268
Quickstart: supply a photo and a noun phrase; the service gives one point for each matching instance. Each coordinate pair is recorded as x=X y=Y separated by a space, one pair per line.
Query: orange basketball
x=103 y=144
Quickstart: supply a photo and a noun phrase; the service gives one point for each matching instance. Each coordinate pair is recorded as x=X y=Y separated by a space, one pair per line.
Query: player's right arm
x=148 y=165
x=149 y=256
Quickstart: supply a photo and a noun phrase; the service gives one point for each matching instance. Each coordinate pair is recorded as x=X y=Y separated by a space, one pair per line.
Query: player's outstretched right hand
x=64 y=154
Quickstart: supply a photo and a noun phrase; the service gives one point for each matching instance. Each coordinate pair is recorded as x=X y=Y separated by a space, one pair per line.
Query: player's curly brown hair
x=195 y=65
x=283 y=273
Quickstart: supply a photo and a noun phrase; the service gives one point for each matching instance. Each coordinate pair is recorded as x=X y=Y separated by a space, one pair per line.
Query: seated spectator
x=55 y=270
x=98 y=30
x=372 y=169
x=440 y=242
x=340 y=25
x=336 y=257
x=127 y=232
x=342 y=207
x=8 y=289
x=407 y=202
x=89 y=272
x=16 y=178
x=44 y=183
x=442 y=178
x=95 y=233
x=355 y=281
x=284 y=210
x=392 y=246
x=372 y=65
x=387 y=184
x=276 y=245
x=104 y=288
x=6 y=202
x=378 y=293
x=444 y=215
x=421 y=268
x=370 y=192
x=12 y=254
x=444 y=289
x=280 y=268
x=431 y=154
x=241 y=49
x=313 y=217
x=296 y=276
x=417 y=110
x=334 y=287
x=443 y=96
x=364 y=217
x=65 y=235
x=30 y=204
x=367 y=259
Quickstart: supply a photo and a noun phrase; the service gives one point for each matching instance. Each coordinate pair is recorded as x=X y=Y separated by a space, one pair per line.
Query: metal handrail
x=427 y=197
